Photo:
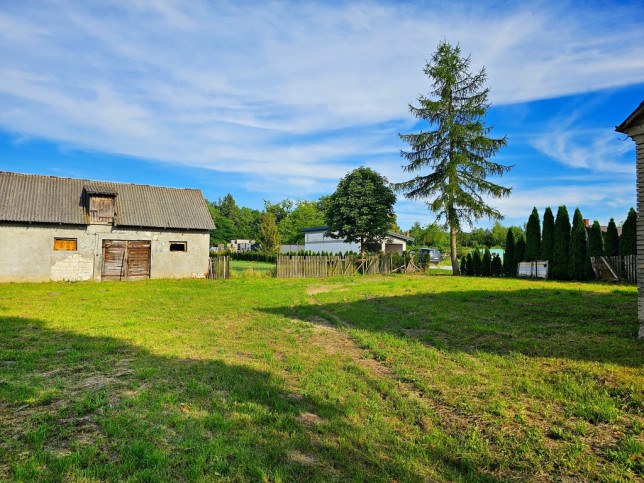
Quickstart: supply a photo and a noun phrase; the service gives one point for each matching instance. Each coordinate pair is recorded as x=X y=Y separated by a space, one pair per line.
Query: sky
x=268 y=100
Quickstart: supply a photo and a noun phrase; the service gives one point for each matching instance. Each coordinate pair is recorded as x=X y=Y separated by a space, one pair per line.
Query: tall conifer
x=519 y=251
x=595 y=247
x=578 y=246
x=509 y=268
x=611 y=244
x=476 y=262
x=486 y=263
x=628 y=238
x=533 y=237
x=547 y=235
x=560 y=269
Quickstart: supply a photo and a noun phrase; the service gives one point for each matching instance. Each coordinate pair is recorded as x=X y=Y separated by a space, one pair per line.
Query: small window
x=65 y=244
x=178 y=246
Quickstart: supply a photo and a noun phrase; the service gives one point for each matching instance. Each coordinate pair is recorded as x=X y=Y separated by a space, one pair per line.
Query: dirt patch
x=309 y=419
x=316 y=289
x=301 y=458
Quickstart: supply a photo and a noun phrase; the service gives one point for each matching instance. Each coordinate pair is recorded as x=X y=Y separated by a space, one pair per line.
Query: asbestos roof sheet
x=48 y=199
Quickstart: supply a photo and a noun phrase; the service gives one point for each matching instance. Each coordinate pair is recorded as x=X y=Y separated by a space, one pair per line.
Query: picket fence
x=624 y=267
x=219 y=268
x=330 y=266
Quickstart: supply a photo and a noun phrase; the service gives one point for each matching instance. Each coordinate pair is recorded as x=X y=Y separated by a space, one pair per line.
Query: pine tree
x=486 y=263
x=533 y=237
x=560 y=269
x=497 y=267
x=628 y=238
x=470 y=264
x=519 y=251
x=547 y=236
x=578 y=246
x=611 y=247
x=595 y=247
x=509 y=268
x=457 y=150
x=476 y=262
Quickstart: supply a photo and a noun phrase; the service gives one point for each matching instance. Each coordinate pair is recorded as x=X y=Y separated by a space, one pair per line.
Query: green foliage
x=224 y=231
x=548 y=236
x=560 y=269
x=578 y=247
x=463 y=265
x=595 y=247
x=486 y=263
x=496 y=266
x=361 y=209
x=268 y=236
x=306 y=214
x=457 y=150
x=519 y=251
x=628 y=238
x=611 y=247
x=533 y=237
x=476 y=262
x=509 y=267
x=432 y=236
x=470 y=264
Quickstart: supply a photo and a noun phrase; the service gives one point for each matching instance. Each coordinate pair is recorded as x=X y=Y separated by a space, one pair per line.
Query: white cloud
x=301 y=91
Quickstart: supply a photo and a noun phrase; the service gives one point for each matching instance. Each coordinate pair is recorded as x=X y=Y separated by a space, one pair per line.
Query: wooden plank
x=113 y=260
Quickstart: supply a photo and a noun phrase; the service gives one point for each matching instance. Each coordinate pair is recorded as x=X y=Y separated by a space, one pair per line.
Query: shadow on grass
x=571 y=324
x=74 y=406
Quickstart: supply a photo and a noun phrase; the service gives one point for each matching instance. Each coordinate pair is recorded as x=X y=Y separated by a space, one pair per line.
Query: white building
x=316 y=241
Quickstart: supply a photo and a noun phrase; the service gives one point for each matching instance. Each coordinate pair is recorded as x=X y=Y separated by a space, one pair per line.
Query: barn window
x=178 y=246
x=65 y=244
x=101 y=210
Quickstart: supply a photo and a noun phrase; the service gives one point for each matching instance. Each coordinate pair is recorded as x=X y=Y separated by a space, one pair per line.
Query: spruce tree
x=470 y=264
x=628 y=238
x=509 y=268
x=476 y=262
x=533 y=237
x=595 y=247
x=578 y=247
x=486 y=263
x=547 y=235
x=560 y=269
x=519 y=252
x=611 y=245
x=457 y=148
x=497 y=267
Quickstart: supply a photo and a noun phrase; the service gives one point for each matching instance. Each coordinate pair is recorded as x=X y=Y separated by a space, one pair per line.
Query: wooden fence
x=219 y=268
x=624 y=267
x=330 y=266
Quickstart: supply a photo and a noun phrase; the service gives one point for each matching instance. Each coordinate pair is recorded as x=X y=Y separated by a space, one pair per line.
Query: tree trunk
x=452 y=251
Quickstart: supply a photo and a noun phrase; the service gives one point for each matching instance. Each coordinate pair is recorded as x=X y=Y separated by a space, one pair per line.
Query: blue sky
x=268 y=100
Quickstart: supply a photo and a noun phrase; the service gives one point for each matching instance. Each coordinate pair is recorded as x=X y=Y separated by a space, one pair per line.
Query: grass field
x=383 y=378
x=242 y=268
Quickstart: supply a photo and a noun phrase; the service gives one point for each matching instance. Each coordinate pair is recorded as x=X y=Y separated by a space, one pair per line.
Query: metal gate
x=126 y=260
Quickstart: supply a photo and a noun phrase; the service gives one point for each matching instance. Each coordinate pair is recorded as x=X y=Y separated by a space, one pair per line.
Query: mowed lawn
x=378 y=378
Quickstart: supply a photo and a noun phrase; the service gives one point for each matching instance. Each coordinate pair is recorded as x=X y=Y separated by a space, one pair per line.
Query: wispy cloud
x=295 y=93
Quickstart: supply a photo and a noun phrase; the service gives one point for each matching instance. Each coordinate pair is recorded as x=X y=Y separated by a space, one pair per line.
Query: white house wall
x=317 y=242
x=27 y=252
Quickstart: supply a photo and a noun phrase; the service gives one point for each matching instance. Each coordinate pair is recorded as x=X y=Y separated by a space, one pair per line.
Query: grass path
x=406 y=378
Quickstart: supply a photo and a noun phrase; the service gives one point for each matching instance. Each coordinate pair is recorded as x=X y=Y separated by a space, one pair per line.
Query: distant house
x=316 y=241
x=241 y=245
x=633 y=126
x=76 y=229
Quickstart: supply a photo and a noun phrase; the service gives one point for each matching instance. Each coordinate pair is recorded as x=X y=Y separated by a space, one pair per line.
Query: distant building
x=316 y=241
x=76 y=229
x=241 y=245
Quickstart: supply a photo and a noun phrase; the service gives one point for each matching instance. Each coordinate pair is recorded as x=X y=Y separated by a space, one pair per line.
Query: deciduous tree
x=268 y=236
x=361 y=209
x=458 y=149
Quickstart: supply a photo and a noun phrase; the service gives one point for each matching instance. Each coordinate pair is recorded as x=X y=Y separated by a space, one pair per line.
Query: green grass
x=248 y=269
x=402 y=377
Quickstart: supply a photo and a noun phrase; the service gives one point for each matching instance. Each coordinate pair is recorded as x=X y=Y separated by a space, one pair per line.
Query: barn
x=633 y=126
x=76 y=229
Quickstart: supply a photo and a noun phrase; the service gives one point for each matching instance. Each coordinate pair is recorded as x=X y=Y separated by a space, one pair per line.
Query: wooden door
x=125 y=260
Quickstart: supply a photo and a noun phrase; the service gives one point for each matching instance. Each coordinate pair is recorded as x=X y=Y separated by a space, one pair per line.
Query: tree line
x=567 y=248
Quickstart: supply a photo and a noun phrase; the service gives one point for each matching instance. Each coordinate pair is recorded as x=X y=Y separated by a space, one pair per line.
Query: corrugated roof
x=48 y=199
